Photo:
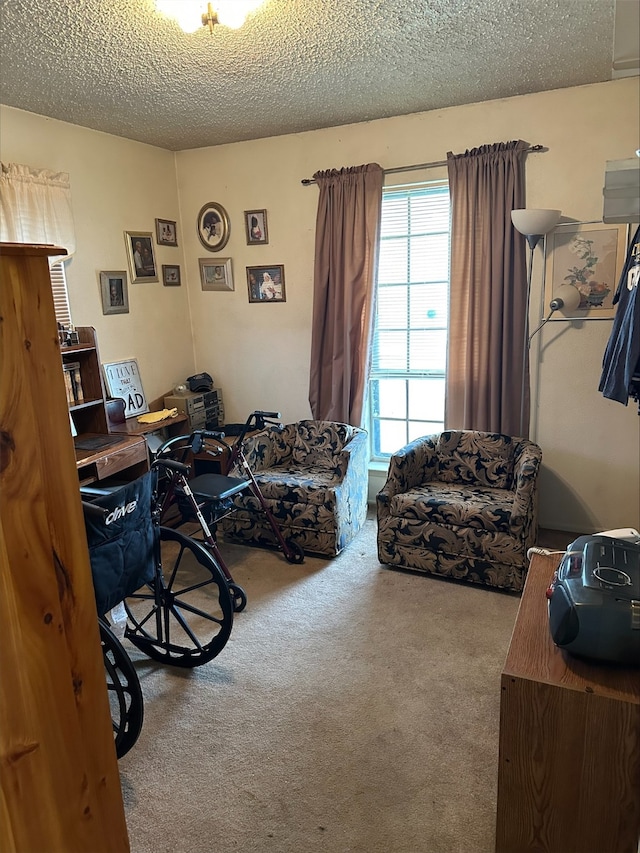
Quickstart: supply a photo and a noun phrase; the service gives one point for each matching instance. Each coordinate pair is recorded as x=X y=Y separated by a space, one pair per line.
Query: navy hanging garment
x=622 y=355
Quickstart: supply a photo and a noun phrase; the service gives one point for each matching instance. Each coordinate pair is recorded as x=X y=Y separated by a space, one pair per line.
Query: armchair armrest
x=412 y=465
x=525 y=475
x=354 y=454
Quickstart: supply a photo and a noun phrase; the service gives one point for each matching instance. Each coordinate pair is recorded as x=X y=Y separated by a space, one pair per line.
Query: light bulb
x=233 y=13
x=188 y=13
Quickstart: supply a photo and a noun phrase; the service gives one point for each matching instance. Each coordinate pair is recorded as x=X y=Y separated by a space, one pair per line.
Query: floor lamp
x=534 y=224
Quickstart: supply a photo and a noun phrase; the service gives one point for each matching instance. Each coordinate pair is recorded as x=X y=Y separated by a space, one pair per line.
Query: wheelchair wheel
x=185 y=615
x=123 y=687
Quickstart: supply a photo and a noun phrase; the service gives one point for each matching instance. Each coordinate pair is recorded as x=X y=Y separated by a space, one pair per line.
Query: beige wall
x=259 y=354
x=116 y=185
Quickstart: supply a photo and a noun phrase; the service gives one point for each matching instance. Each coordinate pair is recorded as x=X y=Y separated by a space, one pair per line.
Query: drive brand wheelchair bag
x=121 y=545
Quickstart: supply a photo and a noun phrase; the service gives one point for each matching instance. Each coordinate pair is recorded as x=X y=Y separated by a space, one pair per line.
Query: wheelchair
x=176 y=597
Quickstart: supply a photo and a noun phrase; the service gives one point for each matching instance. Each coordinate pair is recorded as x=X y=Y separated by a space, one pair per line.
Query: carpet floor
x=355 y=709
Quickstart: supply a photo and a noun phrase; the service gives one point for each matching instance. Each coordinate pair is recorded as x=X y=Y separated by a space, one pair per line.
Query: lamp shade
x=529 y=220
x=566 y=299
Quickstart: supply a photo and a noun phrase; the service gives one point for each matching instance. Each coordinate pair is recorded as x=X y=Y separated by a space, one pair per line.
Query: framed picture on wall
x=166 y=233
x=171 y=275
x=114 y=293
x=142 y=260
x=266 y=284
x=213 y=226
x=590 y=256
x=215 y=273
x=255 y=222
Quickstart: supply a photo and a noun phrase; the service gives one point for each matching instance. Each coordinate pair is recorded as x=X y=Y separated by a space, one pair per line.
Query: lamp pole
x=532 y=240
x=525 y=337
x=533 y=224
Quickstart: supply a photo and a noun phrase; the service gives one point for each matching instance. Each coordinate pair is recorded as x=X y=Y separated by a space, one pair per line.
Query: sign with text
x=123 y=380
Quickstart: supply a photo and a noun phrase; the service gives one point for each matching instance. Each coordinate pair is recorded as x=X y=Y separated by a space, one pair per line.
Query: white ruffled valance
x=35 y=207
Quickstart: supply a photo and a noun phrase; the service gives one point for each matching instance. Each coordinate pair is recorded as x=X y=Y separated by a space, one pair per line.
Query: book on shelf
x=73 y=383
x=68 y=386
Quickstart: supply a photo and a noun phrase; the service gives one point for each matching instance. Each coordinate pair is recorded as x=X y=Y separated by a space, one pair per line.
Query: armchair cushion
x=475 y=458
x=317 y=442
x=456 y=504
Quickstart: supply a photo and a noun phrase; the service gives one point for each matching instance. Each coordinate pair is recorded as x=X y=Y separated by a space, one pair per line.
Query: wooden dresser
x=58 y=768
x=569 y=763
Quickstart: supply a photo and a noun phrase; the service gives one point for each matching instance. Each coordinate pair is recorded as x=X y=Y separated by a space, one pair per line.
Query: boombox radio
x=594 y=600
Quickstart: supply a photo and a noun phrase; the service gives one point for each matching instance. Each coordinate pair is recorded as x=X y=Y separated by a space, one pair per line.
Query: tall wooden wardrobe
x=60 y=787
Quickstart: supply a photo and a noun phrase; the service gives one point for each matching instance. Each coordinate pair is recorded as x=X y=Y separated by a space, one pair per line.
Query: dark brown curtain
x=488 y=299
x=347 y=228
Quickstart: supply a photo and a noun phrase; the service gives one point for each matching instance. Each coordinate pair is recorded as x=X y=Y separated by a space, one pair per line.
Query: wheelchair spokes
x=123 y=688
x=186 y=614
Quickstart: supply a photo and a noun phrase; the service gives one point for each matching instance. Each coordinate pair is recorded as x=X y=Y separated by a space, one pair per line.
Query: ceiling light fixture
x=192 y=14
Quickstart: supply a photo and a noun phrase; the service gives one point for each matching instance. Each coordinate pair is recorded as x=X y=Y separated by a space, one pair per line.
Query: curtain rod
x=530 y=150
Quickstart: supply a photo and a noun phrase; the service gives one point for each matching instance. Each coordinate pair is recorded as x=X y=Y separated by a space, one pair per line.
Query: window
x=407 y=379
x=60 y=296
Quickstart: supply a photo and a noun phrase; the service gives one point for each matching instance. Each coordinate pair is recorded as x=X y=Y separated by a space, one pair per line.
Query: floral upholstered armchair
x=461 y=504
x=313 y=476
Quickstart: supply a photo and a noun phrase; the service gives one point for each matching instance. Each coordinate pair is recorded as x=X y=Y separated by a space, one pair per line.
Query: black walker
x=209 y=497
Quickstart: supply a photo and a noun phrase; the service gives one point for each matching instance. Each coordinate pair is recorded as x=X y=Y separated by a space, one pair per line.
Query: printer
x=594 y=600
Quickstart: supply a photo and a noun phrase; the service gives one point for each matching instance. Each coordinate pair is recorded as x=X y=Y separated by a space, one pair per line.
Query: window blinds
x=60 y=295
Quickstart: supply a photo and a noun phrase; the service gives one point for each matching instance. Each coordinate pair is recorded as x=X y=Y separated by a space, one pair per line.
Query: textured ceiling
x=120 y=67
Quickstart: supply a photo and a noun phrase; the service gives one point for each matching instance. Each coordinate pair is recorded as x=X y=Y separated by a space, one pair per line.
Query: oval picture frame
x=213 y=226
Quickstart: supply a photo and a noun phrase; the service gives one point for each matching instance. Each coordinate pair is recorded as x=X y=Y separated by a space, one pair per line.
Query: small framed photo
x=171 y=275
x=142 y=261
x=266 y=284
x=255 y=222
x=113 y=289
x=590 y=256
x=213 y=226
x=215 y=274
x=166 y=233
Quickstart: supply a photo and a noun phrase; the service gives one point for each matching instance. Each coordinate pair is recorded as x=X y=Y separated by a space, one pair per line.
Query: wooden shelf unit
x=90 y=415
x=102 y=456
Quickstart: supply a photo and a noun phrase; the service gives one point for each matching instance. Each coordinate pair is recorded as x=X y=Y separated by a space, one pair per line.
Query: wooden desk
x=173 y=426
x=128 y=454
x=569 y=763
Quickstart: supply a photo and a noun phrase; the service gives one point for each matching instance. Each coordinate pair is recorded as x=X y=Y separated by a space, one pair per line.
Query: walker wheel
x=238 y=597
x=294 y=552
